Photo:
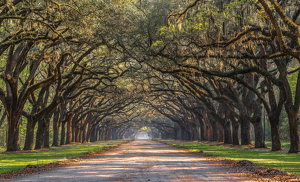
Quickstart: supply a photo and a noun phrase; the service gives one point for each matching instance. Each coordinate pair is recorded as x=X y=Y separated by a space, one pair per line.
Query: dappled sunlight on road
x=141 y=160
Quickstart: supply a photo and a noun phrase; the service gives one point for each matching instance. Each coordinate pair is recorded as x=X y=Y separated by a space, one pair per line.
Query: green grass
x=17 y=161
x=286 y=162
x=285 y=145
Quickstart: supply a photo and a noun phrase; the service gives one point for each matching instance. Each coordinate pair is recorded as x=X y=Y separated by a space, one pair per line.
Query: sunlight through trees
x=214 y=70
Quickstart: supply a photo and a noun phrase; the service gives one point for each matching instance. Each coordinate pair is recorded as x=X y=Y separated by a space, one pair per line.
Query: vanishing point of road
x=140 y=160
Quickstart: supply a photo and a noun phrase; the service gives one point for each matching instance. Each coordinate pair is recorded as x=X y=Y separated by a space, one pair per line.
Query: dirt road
x=140 y=160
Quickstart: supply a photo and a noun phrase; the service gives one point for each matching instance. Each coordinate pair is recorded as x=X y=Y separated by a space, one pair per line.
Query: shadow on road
x=140 y=160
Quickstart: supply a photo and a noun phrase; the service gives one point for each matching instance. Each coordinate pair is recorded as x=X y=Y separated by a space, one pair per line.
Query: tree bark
x=245 y=132
x=259 y=135
x=182 y=134
x=227 y=133
x=162 y=134
x=13 y=132
x=175 y=134
x=29 y=139
x=235 y=134
x=189 y=136
x=294 y=132
x=221 y=132
x=77 y=131
x=39 y=142
x=56 y=125
x=276 y=144
x=110 y=133
x=83 y=135
x=93 y=135
x=42 y=135
x=46 y=134
x=69 y=130
x=73 y=133
x=63 y=134
x=215 y=135
x=202 y=128
x=101 y=134
x=88 y=134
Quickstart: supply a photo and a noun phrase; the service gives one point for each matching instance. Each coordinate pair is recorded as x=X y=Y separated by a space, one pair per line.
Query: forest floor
x=147 y=160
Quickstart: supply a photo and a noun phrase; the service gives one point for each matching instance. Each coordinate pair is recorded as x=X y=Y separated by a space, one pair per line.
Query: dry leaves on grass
x=245 y=167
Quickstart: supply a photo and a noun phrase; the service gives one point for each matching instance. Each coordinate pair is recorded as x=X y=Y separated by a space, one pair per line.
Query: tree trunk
x=110 y=134
x=93 y=135
x=107 y=134
x=69 y=130
x=276 y=144
x=115 y=133
x=39 y=142
x=182 y=134
x=202 y=128
x=56 y=125
x=195 y=133
x=42 y=135
x=294 y=132
x=175 y=133
x=162 y=134
x=100 y=131
x=74 y=128
x=46 y=133
x=245 y=132
x=29 y=139
x=80 y=135
x=84 y=135
x=73 y=133
x=227 y=133
x=88 y=134
x=208 y=133
x=63 y=134
x=101 y=134
x=13 y=132
x=235 y=134
x=88 y=137
x=214 y=130
x=221 y=132
x=77 y=131
x=55 y=134
x=189 y=136
x=259 y=135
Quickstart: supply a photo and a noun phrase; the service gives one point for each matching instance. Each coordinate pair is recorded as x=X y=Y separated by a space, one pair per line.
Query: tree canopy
x=81 y=71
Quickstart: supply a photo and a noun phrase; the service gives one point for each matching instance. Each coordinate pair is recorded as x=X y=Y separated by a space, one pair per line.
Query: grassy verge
x=285 y=145
x=280 y=160
x=16 y=161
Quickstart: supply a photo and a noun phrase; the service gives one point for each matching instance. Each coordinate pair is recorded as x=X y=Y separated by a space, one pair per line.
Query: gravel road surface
x=140 y=160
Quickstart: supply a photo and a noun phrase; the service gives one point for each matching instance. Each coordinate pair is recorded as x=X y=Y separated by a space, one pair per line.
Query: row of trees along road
x=56 y=60
x=173 y=69
x=229 y=59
